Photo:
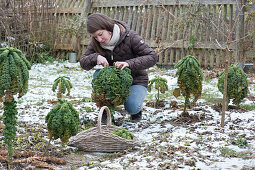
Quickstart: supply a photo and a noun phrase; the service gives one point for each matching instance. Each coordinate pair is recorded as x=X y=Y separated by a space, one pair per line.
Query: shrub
x=190 y=78
x=237 y=86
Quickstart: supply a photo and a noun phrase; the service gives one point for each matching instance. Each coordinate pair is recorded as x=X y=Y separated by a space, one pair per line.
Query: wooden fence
x=174 y=28
x=26 y=24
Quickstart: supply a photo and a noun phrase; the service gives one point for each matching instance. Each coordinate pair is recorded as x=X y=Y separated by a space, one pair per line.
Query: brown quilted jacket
x=130 y=48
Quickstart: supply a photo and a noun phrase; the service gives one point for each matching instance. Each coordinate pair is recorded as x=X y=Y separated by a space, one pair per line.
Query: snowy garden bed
x=168 y=141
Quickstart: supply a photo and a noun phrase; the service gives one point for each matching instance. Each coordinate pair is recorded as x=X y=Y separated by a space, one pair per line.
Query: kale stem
x=47 y=147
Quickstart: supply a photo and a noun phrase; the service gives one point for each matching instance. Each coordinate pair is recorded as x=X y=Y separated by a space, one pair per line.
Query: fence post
x=84 y=14
x=87 y=6
x=253 y=33
x=253 y=58
x=239 y=53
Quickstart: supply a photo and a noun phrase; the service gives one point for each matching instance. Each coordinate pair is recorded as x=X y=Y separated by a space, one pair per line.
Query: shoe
x=137 y=116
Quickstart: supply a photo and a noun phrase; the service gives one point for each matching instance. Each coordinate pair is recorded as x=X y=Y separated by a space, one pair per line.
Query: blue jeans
x=134 y=103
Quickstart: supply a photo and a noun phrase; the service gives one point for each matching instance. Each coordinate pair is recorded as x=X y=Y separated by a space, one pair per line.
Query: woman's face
x=102 y=36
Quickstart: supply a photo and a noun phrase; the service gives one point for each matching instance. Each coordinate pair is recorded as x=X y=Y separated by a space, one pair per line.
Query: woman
x=113 y=41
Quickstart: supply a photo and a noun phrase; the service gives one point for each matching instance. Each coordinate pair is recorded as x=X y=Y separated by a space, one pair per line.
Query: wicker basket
x=101 y=138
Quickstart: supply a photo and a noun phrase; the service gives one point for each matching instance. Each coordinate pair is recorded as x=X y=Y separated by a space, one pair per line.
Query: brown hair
x=97 y=22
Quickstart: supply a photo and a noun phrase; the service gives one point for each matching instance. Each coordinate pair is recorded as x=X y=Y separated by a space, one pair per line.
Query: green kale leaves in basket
x=124 y=133
x=111 y=86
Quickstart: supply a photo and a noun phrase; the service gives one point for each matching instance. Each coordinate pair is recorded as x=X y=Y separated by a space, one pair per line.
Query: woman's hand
x=123 y=64
x=102 y=61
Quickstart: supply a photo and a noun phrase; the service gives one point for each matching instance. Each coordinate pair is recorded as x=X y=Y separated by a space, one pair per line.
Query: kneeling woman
x=113 y=41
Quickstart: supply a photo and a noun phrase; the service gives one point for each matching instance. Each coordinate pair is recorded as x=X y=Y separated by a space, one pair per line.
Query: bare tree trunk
x=229 y=40
x=224 y=101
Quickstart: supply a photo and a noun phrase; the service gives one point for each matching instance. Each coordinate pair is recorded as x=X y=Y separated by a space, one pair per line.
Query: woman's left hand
x=123 y=64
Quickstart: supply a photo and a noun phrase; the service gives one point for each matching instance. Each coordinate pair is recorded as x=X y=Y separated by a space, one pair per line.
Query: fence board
x=125 y=14
x=134 y=18
x=254 y=38
x=130 y=15
x=144 y=21
x=154 y=22
x=149 y=23
x=200 y=58
x=139 y=20
x=158 y=32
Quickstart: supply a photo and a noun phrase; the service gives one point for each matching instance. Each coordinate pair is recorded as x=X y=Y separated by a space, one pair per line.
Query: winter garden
x=194 y=116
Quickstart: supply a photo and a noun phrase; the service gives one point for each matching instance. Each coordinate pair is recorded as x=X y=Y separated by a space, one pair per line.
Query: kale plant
x=190 y=78
x=111 y=87
x=237 y=86
x=63 y=84
x=160 y=84
x=14 y=77
x=14 y=73
x=62 y=122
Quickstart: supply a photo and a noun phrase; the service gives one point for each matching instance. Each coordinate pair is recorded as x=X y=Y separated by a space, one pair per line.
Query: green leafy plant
x=111 y=87
x=14 y=77
x=85 y=99
x=240 y=142
x=62 y=121
x=13 y=73
x=226 y=152
x=192 y=41
x=124 y=133
x=237 y=86
x=190 y=78
x=160 y=84
x=63 y=84
x=89 y=109
x=249 y=106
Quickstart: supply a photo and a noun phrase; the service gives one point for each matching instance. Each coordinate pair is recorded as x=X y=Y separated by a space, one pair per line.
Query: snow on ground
x=165 y=144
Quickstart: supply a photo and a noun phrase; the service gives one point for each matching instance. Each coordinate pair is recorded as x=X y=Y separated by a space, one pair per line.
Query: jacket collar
x=124 y=31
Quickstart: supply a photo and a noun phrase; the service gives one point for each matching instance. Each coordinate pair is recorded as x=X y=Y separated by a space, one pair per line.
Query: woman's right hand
x=102 y=61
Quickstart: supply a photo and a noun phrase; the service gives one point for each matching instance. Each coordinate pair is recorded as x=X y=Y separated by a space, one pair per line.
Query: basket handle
x=109 y=119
